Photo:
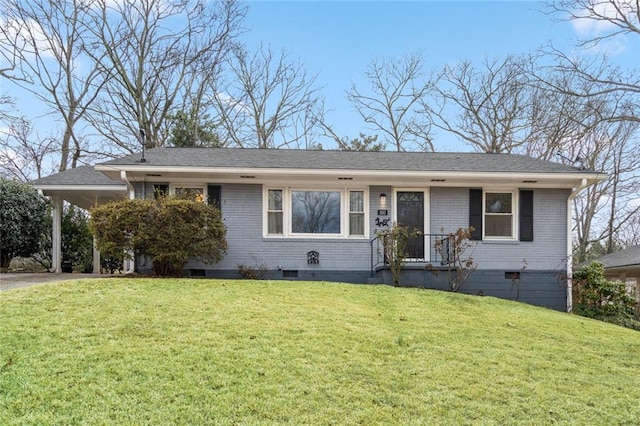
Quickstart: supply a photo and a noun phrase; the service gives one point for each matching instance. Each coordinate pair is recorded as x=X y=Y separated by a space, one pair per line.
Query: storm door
x=410 y=213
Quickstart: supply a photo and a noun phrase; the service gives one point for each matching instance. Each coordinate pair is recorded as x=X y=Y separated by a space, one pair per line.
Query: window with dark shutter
x=214 y=195
x=475 y=213
x=160 y=190
x=526 y=215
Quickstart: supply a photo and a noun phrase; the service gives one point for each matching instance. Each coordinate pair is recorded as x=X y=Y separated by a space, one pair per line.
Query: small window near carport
x=214 y=195
x=160 y=190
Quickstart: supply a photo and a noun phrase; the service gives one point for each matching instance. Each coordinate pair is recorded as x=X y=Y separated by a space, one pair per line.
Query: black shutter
x=214 y=195
x=160 y=190
x=475 y=213
x=526 y=215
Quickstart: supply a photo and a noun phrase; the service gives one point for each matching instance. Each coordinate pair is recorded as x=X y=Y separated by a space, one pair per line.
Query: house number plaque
x=382 y=222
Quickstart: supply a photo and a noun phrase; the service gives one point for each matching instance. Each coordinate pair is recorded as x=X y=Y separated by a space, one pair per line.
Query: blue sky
x=337 y=39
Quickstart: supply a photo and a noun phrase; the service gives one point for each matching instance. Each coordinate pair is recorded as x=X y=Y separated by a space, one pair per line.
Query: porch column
x=56 y=236
x=96 y=257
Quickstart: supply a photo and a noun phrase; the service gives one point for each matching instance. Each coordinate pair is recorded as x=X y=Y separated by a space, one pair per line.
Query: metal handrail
x=438 y=250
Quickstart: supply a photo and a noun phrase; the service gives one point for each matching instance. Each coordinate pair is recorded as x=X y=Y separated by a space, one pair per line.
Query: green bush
x=394 y=243
x=23 y=218
x=77 y=241
x=169 y=230
x=596 y=297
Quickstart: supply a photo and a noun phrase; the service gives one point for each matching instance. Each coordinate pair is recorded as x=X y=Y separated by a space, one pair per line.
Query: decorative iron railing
x=433 y=249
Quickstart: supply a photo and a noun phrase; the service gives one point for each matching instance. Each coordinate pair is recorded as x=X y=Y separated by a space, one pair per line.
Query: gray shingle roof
x=627 y=257
x=83 y=175
x=344 y=160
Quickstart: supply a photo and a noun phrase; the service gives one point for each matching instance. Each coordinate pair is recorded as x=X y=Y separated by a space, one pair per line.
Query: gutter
x=583 y=184
x=278 y=171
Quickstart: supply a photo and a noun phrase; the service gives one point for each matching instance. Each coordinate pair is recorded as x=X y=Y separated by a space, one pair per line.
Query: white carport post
x=96 y=257
x=56 y=236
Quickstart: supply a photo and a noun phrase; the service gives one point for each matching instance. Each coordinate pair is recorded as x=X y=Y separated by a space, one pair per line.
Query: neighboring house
x=315 y=215
x=623 y=265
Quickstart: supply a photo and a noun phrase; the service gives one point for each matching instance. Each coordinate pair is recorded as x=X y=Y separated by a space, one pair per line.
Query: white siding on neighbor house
x=450 y=211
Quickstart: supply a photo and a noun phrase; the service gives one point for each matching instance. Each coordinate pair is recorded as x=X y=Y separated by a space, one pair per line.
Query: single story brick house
x=315 y=215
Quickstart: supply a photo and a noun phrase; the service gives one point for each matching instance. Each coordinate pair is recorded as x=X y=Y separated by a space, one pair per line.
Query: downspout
x=131 y=265
x=132 y=191
x=573 y=194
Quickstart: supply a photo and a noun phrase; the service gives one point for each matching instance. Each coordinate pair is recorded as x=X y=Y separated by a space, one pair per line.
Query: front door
x=410 y=213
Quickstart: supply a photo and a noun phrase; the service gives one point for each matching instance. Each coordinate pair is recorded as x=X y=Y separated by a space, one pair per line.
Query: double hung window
x=356 y=213
x=499 y=217
x=275 y=212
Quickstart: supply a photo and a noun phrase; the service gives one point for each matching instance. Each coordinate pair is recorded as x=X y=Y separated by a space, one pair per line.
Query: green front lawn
x=155 y=351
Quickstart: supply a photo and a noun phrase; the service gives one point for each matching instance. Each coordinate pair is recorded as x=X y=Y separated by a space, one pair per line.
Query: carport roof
x=83 y=175
x=82 y=186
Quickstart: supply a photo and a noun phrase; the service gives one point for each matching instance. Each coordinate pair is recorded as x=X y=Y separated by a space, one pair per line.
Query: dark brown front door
x=410 y=210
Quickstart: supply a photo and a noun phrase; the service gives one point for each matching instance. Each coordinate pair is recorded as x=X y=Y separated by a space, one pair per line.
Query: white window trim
x=287 y=216
x=426 y=213
x=427 y=204
x=515 y=214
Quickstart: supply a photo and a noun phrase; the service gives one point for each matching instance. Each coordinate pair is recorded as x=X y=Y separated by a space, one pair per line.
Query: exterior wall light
x=383 y=199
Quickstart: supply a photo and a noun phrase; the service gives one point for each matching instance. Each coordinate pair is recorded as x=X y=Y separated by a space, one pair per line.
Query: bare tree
x=590 y=124
x=152 y=51
x=606 y=21
x=603 y=211
x=607 y=214
x=269 y=101
x=559 y=119
x=391 y=104
x=25 y=156
x=630 y=234
x=492 y=108
x=43 y=42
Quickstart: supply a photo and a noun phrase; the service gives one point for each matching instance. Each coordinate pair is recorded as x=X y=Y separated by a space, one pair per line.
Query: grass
x=152 y=351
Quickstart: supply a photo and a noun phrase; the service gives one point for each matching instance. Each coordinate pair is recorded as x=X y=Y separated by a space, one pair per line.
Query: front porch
x=433 y=250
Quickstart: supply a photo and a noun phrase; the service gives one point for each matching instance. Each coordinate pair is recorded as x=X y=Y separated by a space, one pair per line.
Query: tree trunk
x=5 y=260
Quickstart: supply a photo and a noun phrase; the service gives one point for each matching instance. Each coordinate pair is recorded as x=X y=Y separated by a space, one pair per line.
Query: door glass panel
x=410 y=212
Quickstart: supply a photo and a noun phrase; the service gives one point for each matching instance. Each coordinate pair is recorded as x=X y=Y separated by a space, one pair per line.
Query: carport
x=83 y=187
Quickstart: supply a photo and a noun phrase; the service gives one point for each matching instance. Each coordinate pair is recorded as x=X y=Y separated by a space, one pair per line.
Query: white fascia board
x=458 y=175
x=108 y=188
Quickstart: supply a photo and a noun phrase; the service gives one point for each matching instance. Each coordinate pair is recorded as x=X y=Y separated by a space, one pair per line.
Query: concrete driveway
x=10 y=281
